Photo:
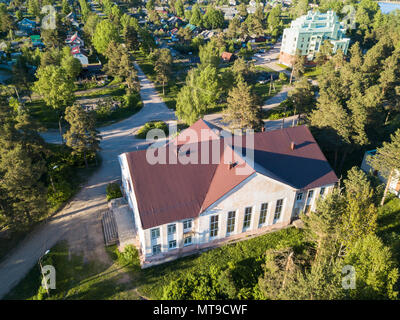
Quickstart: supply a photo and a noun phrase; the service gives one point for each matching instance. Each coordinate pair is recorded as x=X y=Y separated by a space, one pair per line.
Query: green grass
x=75 y=279
x=312 y=72
x=246 y=255
x=283 y=66
x=142 y=132
x=262 y=90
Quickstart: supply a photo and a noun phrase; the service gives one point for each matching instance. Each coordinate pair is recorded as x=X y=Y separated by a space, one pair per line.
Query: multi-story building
x=307 y=33
x=182 y=207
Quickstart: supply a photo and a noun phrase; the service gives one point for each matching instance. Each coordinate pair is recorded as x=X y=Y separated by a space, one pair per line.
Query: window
x=278 y=209
x=187 y=241
x=187 y=225
x=171 y=228
x=172 y=244
x=247 y=218
x=231 y=222
x=213 y=226
x=322 y=191
x=310 y=194
x=155 y=233
x=299 y=196
x=263 y=213
x=157 y=249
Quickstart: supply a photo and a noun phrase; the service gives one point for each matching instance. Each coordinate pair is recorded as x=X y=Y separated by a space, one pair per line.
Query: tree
x=65 y=8
x=104 y=34
x=360 y=216
x=324 y=53
x=376 y=272
x=233 y=28
x=56 y=89
x=242 y=10
x=201 y=92
x=6 y=21
x=180 y=11
x=213 y=18
x=302 y=97
x=82 y=136
x=242 y=111
x=196 y=18
x=131 y=38
x=210 y=54
x=120 y=64
x=162 y=66
x=297 y=66
x=90 y=25
x=70 y=64
x=22 y=170
x=387 y=160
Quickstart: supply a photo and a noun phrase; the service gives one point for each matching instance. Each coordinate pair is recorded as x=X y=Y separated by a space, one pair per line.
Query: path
x=80 y=221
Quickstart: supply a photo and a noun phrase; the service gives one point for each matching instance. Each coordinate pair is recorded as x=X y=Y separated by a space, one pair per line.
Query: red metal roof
x=172 y=192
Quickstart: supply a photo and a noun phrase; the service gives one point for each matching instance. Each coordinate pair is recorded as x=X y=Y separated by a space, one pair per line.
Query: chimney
x=292 y=145
x=232 y=165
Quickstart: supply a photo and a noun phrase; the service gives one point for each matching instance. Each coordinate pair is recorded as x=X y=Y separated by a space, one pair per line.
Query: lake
x=388 y=7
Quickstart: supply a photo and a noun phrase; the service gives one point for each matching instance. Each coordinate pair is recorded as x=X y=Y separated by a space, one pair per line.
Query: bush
x=282 y=77
x=142 y=133
x=129 y=256
x=113 y=191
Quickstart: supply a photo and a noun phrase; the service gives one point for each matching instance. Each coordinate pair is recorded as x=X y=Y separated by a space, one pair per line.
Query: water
x=388 y=7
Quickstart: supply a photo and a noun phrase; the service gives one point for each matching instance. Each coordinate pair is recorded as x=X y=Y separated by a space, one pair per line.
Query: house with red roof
x=210 y=188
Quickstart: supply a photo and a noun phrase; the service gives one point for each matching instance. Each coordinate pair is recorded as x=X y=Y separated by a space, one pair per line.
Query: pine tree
x=242 y=111
x=82 y=136
x=387 y=160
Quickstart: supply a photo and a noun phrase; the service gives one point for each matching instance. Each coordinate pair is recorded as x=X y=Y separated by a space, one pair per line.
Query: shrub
x=129 y=256
x=142 y=133
x=113 y=191
x=282 y=77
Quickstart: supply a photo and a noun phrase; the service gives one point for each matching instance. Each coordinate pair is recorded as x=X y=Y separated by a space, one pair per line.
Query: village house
x=182 y=208
x=394 y=184
x=307 y=33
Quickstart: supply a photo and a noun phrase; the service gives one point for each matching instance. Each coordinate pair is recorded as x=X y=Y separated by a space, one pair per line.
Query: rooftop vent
x=292 y=145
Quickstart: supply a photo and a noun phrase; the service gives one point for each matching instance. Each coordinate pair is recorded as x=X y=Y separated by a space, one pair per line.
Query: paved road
x=80 y=221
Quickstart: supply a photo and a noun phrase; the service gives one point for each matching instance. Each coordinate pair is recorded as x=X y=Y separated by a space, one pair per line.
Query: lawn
x=78 y=280
x=75 y=279
x=262 y=90
x=246 y=256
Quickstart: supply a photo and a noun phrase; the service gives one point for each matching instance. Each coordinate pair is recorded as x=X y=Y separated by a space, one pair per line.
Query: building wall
x=307 y=33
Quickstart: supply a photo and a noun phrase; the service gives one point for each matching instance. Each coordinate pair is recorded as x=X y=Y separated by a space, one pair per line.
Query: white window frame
x=156 y=246
x=263 y=214
x=169 y=245
x=184 y=241
x=152 y=231
x=299 y=196
x=214 y=226
x=230 y=219
x=280 y=210
x=247 y=220
x=172 y=225
x=188 y=221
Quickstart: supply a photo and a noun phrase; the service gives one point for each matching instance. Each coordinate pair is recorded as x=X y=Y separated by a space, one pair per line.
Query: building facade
x=394 y=183
x=178 y=213
x=307 y=33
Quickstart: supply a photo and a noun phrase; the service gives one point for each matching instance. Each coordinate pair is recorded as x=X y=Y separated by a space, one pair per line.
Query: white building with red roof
x=212 y=189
